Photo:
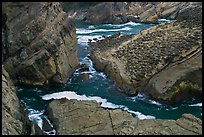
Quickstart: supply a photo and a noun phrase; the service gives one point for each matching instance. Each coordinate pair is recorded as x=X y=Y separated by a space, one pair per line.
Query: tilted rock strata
x=143 y=12
x=14 y=122
x=40 y=43
x=132 y=61
x=73 y=117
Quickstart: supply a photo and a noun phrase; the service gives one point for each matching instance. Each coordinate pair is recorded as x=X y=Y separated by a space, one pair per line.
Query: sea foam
x=87 y=31
x=104 y=103
x=35 y=115
x=125 y=24
x=196 y=105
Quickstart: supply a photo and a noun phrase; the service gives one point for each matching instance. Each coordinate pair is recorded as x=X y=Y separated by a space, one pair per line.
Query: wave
x=87 y=31
x=165 y=20
x=139 y=115
x=125 y=24
x=142 y=97
x=139 y=96
x=196 y=105
x=19 y=89
x=154 y=102
x=91 y=27
x=85 y=39
x=104 y=103
x=103 y=75
x=35 y=115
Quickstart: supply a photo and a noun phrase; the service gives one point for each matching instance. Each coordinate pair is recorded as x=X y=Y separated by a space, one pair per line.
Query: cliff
x=164 y=61
x=14 y=121
x=122 y=12
x=38 y=48
x=39 y=43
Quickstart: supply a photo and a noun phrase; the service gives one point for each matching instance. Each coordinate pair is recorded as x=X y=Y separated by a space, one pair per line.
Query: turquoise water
x=99 y=85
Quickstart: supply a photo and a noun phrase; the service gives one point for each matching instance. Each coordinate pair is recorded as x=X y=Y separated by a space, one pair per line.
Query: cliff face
x=146 y=12
x=164 y=61
x=38 y=48
x=39 y=43
x=14 y=121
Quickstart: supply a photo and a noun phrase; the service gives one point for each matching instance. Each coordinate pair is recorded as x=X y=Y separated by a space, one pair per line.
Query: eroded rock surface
x=14 y=121
x=38 y=48
x=174 y=49
x=73 y=117
x=145 y=12
x=39 y=43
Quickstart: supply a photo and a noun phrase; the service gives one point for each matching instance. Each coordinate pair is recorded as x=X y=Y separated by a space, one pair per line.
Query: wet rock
x=83 y=76
x=84 y=67
x=46 y=125
x=36 y=130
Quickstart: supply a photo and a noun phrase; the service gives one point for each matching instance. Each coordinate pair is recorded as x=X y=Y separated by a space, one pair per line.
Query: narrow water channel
x=98 y=87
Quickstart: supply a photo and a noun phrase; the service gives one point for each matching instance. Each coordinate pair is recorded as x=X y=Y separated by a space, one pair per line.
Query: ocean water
x=98 y=87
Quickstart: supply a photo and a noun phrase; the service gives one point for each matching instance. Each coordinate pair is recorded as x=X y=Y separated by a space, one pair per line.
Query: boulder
x=83 y=76
x=84 y=67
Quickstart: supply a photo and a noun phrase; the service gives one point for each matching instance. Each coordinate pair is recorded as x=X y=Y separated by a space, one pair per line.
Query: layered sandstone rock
x=73 y=117
x=145 y=12
x=167 y=54
x=39 y=43
x=38 y=48
x=14 y=122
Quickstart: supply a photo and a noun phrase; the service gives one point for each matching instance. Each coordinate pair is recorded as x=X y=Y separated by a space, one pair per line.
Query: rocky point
x=164 y=61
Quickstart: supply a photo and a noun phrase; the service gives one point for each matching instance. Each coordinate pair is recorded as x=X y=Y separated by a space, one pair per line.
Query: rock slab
x=74 y=117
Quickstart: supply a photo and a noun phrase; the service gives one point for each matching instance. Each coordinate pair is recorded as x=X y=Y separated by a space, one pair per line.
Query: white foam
x=139 y=96
x=91 y=27
x=140 y=115
x=174 y=108
x=104 y=103
x=52 y=132
x=154 y=102
x=20 y=89
x=34 y=115
x=86 y=31
x=84 y=39
x=165 y=20
x=102 y=74
x=196 y=105
x=125 y=24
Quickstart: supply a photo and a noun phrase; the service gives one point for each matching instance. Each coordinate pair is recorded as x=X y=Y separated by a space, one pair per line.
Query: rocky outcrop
x=143 y=62
x=145 y=12
x=14 y=121
x=192 y=11
x=184 y=82
x=38 y=48
x=73 y=117
x=39 y=43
